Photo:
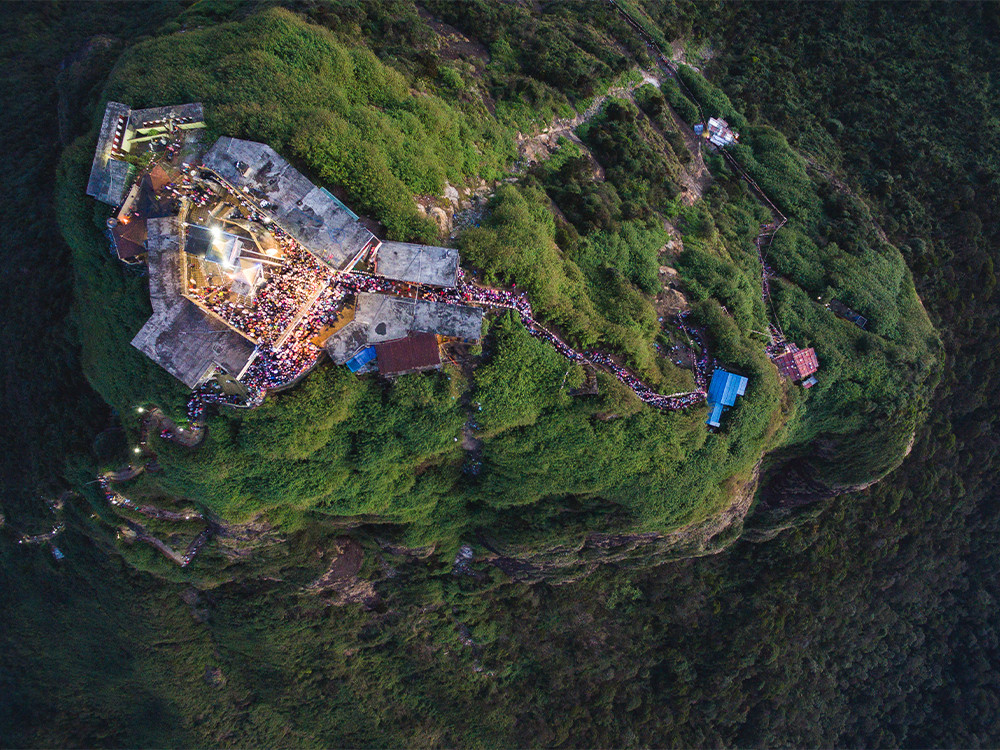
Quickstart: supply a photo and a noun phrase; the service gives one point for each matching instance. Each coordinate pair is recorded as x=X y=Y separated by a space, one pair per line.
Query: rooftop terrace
x=109 y=173
x=380 y=317
x=418 y=264
x=312 y=215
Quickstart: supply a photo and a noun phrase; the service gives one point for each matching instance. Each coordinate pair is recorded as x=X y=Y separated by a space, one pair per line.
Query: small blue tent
x=361 y=359
x=722 y=393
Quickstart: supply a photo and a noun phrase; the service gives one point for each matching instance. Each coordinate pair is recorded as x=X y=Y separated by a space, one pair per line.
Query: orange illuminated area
x=243 y=268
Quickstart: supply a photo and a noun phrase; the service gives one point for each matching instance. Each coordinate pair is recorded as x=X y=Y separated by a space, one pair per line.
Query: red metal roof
x=797 y=364
x=130 y=238
x=418 y=351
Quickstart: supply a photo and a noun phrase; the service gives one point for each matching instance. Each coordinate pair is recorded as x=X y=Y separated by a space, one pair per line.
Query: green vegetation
x=393 y=454
x=874 y=386
x=868 y=622
x=346 y=116
x=539 y=65
x=713 y=102
x=683 y=106
x=654 y=104
x=336 y=445
x=625 y=145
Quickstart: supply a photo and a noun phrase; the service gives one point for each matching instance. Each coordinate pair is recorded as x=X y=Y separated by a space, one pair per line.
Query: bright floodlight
x=137 y=450
x=140 y=410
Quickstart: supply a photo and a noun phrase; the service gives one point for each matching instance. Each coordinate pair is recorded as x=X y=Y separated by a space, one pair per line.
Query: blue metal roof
x=714 y=414
x=361 y=359
x=725 y=387
x=722 y=393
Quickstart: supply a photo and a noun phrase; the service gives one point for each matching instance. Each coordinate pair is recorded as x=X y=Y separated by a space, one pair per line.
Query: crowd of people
x=196 y=192
x=701 y=363
x=778 y=345
x=518 y=301
x=211 y=393
x=286 y=290
x=277 y=302
x=275 y=367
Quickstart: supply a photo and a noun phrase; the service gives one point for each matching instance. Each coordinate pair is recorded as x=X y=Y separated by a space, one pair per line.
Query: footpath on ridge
x=342 y=284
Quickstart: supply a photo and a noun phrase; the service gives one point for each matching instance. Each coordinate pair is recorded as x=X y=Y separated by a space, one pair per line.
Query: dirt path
x=536 y=147
x=143 y=536
x=116 y=499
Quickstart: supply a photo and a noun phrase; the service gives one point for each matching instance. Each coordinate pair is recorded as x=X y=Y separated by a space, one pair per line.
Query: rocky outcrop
x=561 y=564
x=236 y=541
x=457 y=207
x=340 y=581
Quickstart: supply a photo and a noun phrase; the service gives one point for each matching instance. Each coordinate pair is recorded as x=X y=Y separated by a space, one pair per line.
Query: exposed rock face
x=794 y=482
x=559 y=564
x=341 y=578
x=671 y=302
x=451 y=195
x=238 y=540
x=442 y=219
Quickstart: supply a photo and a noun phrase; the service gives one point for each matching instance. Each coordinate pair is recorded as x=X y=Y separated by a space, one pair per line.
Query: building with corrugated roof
x=719 y=133
x=108 y=173
x=381 y=317
x=129 y=240
x=722 y=394
x=312 y=215
x=417 y=352
x=797 y=364
x=417 y=264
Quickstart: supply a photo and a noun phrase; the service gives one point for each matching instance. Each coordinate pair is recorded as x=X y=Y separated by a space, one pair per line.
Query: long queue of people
x=301 y=275
x=701 y=364
x=518 y=302
x=276 y=367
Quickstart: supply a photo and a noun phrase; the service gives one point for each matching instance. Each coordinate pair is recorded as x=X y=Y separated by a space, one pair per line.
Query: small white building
x=719 y=133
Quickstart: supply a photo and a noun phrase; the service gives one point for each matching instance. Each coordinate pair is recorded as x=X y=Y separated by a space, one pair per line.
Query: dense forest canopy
x=866 y=621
